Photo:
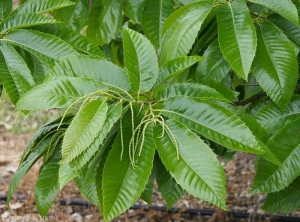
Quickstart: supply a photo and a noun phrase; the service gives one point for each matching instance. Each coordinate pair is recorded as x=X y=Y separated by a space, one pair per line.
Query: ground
x=239 y=171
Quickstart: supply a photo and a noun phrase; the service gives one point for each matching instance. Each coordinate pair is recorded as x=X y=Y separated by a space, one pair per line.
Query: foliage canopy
x=156 y=89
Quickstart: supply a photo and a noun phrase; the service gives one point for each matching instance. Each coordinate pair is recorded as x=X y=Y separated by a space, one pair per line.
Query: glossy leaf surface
x=140 y=61
x=272 y=178
x=170 y=190
x=269 y=113
x=181 y=28
x=122 y=188
x=237 y=36
x=212 y=121
x=275 y=64
x=286 y=200
x=205 y=181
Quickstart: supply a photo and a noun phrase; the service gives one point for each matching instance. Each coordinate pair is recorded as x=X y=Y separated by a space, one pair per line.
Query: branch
x=249 y=100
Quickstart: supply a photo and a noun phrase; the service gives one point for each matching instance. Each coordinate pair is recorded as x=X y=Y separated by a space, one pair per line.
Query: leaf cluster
x=155 y=90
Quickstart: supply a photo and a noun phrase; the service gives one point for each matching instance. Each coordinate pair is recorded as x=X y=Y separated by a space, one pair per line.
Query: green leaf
x=99 y=176
x=105 y=21
x=100 y=143
x=259 y=132
x=140 y=61
x=291 y=29
x=190 y=90
x=46 y=47
x=223 y=90
x=286 y=200
x=83 y=130
x=86 y=182
x=41 y=6
x=35 y=154
x=206 y=180
x=181 y=28
x=58 y=92
x=94 y=68
x=237 y=36
x=74 y=16
x=154 y=15
x=75 y=39
x=212 y=121
x=213 y=66
x=123 y=184
x=38 y=68
x=284 y=8
x=275 y=65
x=167 y=185
x=43 y=131
x=24 y=20
x=148 y=191
x=133 y=9
x=47 y=183
x=270 y=112
x=174 y=67
x=5 y=9
x=14 y=73
x=286 y=146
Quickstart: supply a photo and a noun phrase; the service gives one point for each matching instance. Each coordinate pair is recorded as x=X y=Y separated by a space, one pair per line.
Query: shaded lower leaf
x=214 y=66
x=169 y=188
x=174 y=67
x=122 y=184
x=148 y=191
x=35 y=154
x=191 y=90
x=223 y=90
x=268 y=113
x=74 y=16
x=14 y=73
x=86 y=182
x=286 y=200
x=44 y=130
x=47 y=184
x=286 y=147
x=196 y=169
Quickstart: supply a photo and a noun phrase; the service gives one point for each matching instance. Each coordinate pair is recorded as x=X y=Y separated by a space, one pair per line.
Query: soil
x=239 y=172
